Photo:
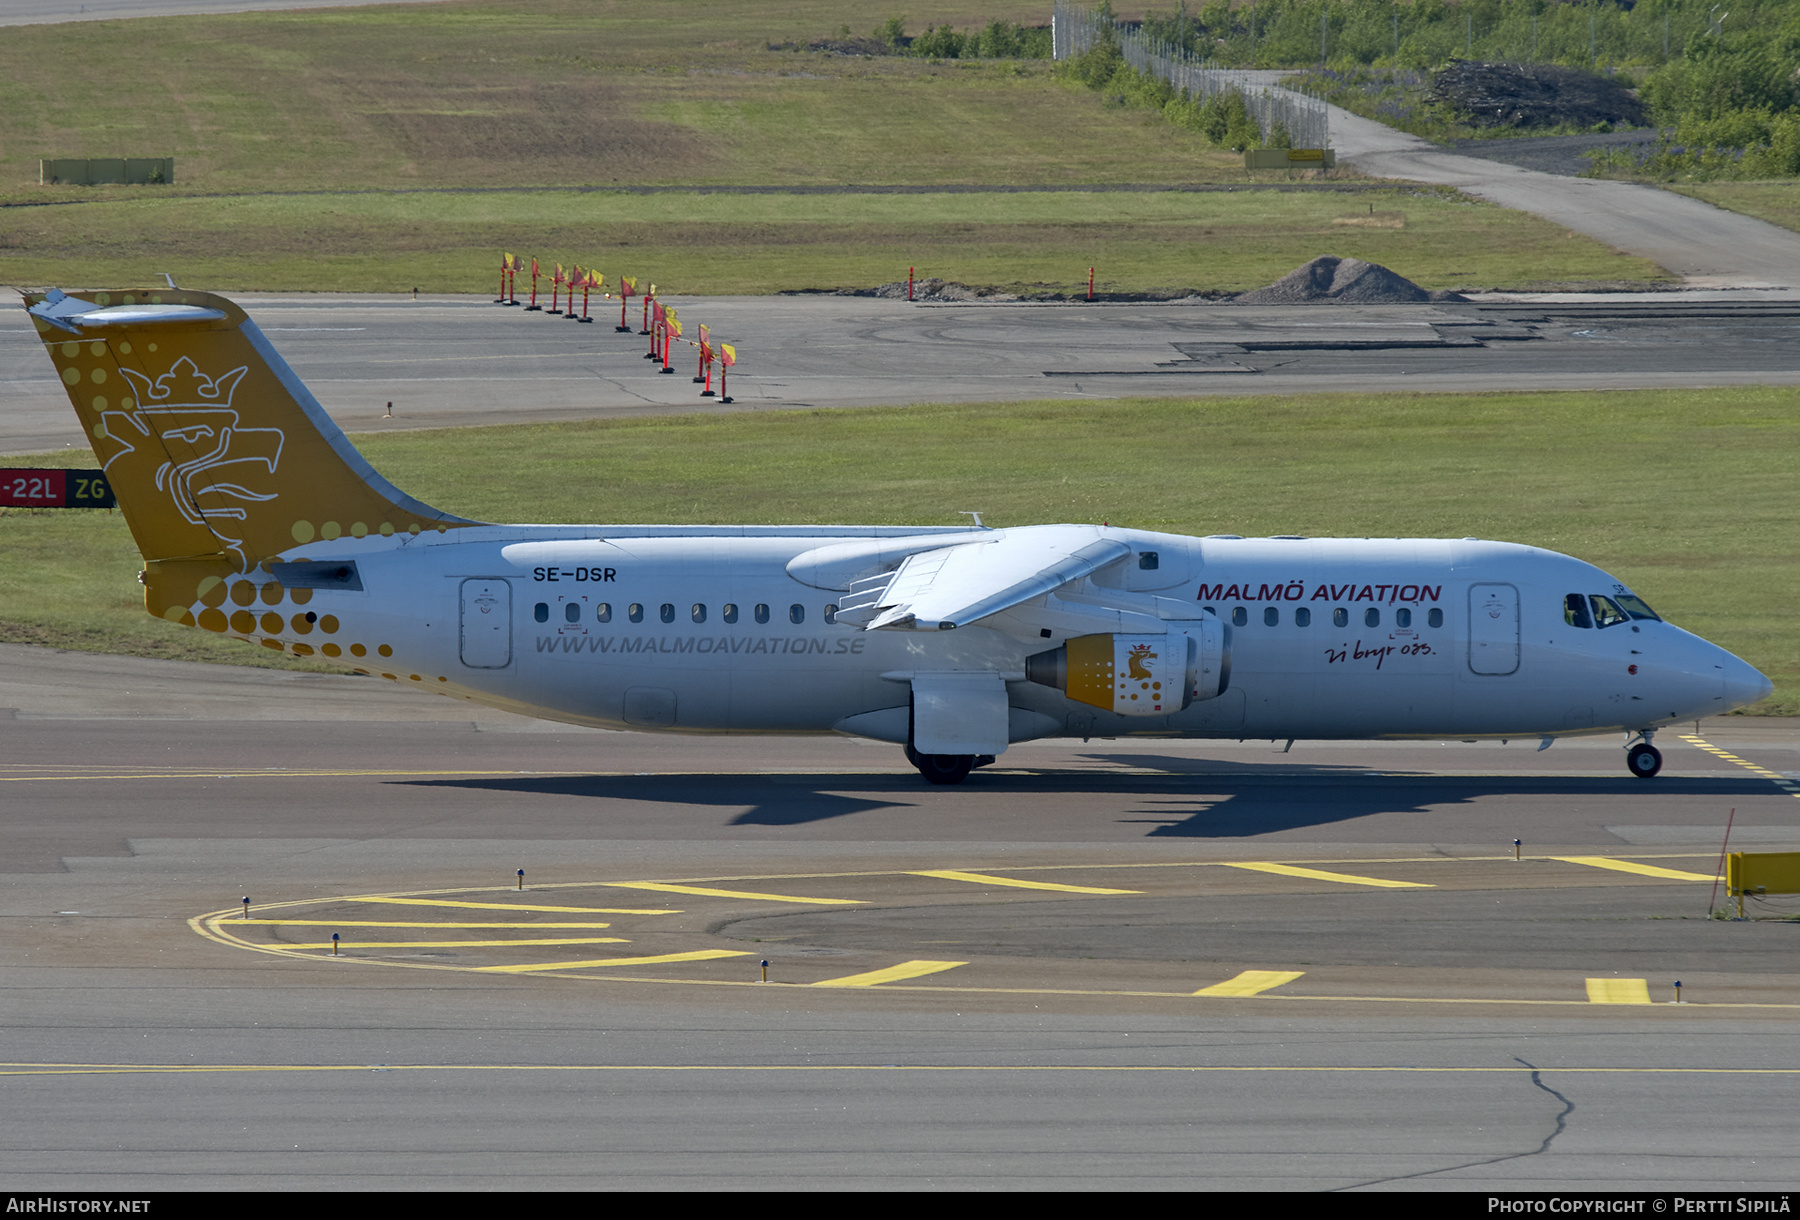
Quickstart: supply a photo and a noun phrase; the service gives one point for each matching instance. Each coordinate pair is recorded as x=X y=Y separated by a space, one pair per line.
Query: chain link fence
x=1075 y=31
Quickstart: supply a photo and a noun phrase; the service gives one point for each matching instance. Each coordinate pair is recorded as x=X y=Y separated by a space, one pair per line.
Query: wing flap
x=962 y=584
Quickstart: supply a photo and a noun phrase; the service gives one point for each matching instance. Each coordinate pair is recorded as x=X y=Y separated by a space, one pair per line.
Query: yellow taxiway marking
x=235 y=922
x=502 y=906
x=699 y=955
x=1787 y=785
x=1618 y=991
x=893 y=974
x=1632 y=866
x=1252 y=982
x=704 y=892
x=1314 y=874
x=950 y=874
x=460 y=944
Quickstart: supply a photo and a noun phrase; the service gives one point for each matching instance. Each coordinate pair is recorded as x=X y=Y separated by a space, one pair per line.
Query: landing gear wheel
x=941 y=768
x=1643 y=760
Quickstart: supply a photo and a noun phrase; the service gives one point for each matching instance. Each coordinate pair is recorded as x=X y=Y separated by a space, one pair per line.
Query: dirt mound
x=1329 y=279
x=1534 y=95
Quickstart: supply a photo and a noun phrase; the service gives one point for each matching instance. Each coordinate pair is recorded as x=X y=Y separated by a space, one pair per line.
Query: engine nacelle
x=1140 y=675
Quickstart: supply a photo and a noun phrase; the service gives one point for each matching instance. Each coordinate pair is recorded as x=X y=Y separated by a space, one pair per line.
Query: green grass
x=1694 y=504
x=1776 y=202
x=723 y=243
x=534 y=92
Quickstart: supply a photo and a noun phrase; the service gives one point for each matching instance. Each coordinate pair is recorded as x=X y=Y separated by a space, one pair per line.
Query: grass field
x=1776 y=202
x=721 y=243
x=559 y=92
x=263 y=110
x=1694 y=503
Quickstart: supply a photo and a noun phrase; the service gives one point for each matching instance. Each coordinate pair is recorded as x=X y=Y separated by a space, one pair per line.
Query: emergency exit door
x=486 y=624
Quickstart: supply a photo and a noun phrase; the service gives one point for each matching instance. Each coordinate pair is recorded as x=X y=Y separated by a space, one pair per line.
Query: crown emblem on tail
x=210 y=464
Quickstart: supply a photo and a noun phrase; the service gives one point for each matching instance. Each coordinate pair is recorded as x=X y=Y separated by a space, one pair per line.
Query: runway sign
x=24 y=488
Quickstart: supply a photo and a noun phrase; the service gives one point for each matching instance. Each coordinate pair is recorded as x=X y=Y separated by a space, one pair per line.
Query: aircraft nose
x=1744 y=683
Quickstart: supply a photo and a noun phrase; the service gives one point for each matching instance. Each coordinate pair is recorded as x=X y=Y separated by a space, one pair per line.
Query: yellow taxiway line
x=1631 y=866
x=893 y=974
x=234 y=921
x=950 y=874
x=1314 y=874
x=502 y=906
x=1252 y=982
x=699 y=955
x=664 y=887
x=1618 y=991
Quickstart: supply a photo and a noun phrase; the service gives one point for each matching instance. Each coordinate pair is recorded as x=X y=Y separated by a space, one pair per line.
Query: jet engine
x=1140 y=675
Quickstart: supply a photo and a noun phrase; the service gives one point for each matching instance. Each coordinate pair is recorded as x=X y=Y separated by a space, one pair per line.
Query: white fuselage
x=1327 y=638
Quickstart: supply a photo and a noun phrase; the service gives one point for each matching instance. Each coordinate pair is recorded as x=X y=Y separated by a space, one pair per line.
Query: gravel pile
x=1329 y=279
x=1534 y=95
x=932 y=290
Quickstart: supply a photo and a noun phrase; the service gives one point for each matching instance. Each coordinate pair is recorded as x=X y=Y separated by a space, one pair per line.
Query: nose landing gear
x=1643 y=759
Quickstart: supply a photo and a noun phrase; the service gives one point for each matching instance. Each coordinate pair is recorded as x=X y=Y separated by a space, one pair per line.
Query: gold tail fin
x=220 y=458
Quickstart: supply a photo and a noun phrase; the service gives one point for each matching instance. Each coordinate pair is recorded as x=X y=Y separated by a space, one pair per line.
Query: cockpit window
x=1575 y=611
x=1635 y=607
x=1607 y=612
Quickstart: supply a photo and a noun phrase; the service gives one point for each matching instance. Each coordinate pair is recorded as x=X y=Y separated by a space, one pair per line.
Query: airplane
x=257 y=519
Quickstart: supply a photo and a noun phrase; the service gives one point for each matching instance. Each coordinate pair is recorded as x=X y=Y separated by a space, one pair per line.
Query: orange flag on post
x=627 y=287
x=727 y=358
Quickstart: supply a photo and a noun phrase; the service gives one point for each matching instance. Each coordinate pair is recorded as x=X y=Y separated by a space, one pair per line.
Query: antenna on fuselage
x=966 y=513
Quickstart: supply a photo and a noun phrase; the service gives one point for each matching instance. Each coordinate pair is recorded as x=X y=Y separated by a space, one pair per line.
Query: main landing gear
x=1643 y=759
x=946 y=768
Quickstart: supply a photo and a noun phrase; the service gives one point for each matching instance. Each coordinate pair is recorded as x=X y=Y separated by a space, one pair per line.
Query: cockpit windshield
x=1635 y=607
x=1607 y=612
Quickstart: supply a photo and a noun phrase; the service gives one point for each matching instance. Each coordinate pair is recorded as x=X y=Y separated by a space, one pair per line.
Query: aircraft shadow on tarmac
x=1193 y=802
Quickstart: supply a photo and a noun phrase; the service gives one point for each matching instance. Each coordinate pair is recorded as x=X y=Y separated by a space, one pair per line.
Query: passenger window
x=572 y=612
x=603 y=612
x=762 y=612
x=635 y=613
x=1403 y=617
x=668 y=612
x=1302 y=617
x=699 y=612
x=831 y=613
x=1271 y=616
x=1147 y=561
x=1575 y=611
x=1239 y=616
x=1435 y=618
x=729 y=612
x=1340 y=617
x=1606 y=611
x=796 y=613
x=1371 y=617
x=541 y=612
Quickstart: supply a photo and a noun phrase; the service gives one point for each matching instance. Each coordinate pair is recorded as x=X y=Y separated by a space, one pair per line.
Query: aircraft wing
x=956 y=585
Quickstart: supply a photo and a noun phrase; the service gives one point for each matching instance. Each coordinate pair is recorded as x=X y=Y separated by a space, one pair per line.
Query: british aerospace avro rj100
x=257 y=519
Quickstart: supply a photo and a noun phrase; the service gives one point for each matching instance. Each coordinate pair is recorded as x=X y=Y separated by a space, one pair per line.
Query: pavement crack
x=1561 y=1124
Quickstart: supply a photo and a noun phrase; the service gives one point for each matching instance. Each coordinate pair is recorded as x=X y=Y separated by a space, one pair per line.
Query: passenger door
x=1493 y=629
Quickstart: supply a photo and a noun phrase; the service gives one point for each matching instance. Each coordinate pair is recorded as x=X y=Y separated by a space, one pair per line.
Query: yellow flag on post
x=727 y=354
